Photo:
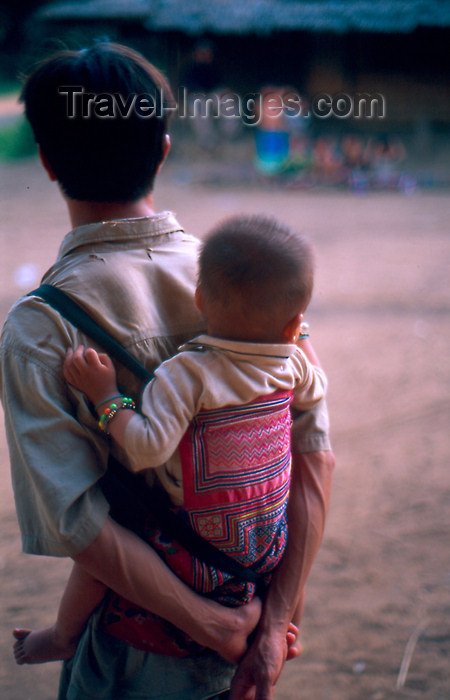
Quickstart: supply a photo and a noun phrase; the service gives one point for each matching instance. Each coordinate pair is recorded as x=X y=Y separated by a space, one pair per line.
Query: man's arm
x=307 y=509
x=122 y=561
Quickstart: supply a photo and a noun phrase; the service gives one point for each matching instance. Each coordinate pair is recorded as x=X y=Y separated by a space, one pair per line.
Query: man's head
x=255 y=280
x=106 y=148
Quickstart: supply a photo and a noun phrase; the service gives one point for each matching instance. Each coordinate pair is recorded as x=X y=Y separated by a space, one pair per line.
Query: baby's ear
x=292 y=329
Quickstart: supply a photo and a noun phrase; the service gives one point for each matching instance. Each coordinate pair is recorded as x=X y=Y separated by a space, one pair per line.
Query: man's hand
x=261 y=666
x=91 y=372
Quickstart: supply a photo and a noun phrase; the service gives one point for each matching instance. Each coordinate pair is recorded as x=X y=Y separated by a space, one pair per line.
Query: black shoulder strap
x=71 y=311
x=173 y=524
x=132 y=501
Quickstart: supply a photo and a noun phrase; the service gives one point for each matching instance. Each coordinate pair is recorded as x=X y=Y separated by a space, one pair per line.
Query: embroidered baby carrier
x=232 y=531
x=236 y=467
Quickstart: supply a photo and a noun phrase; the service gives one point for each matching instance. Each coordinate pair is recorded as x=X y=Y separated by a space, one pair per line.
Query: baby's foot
x=39 y=646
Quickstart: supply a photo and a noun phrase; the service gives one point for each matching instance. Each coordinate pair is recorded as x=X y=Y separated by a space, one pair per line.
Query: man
x=100 y=118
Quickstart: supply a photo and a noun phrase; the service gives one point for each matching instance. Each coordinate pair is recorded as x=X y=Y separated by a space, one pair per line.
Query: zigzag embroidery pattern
x=236 y=470
x=227 y=452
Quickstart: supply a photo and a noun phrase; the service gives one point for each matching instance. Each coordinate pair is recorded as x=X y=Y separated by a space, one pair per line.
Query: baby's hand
x=91 y=372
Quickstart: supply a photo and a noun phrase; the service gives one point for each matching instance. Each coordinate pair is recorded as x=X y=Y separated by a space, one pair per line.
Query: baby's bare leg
x=135 y=571
x=59 y=641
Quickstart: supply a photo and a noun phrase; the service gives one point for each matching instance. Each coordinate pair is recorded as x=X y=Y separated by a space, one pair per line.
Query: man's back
x=137 y=279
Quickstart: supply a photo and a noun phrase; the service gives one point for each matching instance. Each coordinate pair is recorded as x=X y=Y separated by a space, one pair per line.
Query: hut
x=396 y=48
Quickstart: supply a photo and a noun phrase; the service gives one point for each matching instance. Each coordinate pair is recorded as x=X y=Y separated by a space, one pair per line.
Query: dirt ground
x=379 y=593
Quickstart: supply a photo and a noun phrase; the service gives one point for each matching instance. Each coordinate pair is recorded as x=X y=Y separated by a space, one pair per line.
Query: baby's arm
x=169 y=401
x=312 y=388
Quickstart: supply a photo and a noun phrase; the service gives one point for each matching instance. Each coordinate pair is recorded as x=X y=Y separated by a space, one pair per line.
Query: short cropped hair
x=96 y=156
x=263 y=263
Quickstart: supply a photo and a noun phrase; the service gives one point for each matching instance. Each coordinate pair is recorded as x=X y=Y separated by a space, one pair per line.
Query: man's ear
x=46 y=164
x=166 y=149
x=198 y=299
x=292 y=329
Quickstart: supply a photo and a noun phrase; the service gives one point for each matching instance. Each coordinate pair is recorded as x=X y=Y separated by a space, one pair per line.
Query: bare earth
x=380 y=589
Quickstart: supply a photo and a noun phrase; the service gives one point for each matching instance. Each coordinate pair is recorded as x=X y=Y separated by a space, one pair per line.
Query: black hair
x=97 y=151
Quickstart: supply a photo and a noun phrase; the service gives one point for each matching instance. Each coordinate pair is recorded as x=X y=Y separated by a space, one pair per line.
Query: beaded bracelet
x=304 y=331
x=111 y=411
x=110 y=398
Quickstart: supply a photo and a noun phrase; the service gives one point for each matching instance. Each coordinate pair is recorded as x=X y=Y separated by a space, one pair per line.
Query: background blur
x=372 y=194
x=396 y=49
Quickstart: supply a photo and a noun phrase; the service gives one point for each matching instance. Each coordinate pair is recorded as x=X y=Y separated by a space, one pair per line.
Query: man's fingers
x=243 y=686
x=249 y=687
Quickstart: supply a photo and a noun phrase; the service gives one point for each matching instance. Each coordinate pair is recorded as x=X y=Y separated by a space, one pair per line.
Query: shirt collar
x=237 y=347
x=121 y=230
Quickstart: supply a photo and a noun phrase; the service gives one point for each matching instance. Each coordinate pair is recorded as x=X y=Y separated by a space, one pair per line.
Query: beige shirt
x=137 y=278
x=207 y=374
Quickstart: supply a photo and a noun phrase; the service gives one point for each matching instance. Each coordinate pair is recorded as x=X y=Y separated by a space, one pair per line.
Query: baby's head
x=255 y=280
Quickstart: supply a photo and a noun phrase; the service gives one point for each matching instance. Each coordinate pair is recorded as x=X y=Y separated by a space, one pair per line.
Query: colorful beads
x=111 y=411
x=304 y=331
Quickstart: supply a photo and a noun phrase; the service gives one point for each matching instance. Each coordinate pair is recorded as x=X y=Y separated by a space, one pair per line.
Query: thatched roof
x=260 y=16
x=95 y=9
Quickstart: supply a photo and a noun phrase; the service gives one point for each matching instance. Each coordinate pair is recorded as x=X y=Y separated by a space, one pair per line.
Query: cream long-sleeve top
x=210 y=373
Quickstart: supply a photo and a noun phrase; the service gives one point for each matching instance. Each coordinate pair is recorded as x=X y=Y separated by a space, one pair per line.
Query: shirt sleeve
x=169 y=403
x=312 y=386
x=56 y=461
x=310 y=428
